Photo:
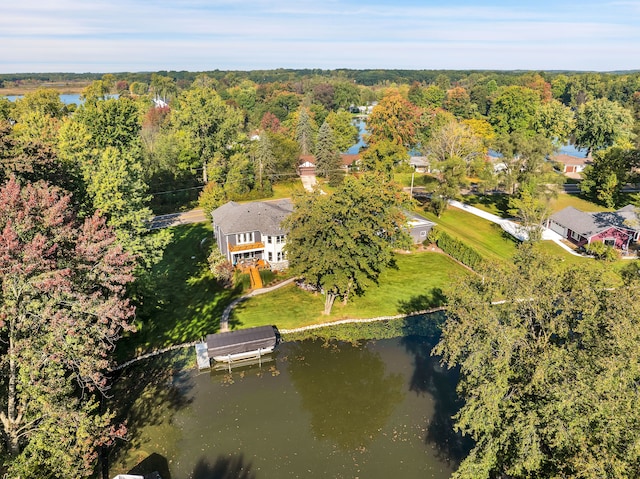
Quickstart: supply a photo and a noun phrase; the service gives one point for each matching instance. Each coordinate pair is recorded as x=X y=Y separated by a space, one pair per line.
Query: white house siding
x=561 y=230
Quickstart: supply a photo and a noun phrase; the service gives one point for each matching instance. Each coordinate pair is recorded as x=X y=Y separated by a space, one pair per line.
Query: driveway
x=174 y=219
x=512 y=228
x=309 y=181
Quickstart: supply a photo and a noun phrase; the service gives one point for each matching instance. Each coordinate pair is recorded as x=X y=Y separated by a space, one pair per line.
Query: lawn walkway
x=224 y=319
x=511 y=227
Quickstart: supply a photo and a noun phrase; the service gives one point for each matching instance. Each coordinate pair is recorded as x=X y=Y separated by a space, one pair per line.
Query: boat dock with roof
x=233 y=346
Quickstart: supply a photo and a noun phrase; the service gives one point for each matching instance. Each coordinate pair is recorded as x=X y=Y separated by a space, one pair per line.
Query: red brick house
x=614 y=228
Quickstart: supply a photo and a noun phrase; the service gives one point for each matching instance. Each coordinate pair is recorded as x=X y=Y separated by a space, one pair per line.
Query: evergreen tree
x=305 y=132
x=328 y=160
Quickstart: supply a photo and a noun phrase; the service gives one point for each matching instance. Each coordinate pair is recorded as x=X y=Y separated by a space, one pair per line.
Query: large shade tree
x=62 y=309
x=210 y=123
x=394 y=119
x=602 y=123
x=340 y=243
x=549 y=365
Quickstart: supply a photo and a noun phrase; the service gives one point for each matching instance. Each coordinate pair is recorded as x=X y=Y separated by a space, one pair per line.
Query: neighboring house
x=571 y=166
x=616 y=228
x=420 y=164
x=307 y=163
x=251 y=231
x=418 y=226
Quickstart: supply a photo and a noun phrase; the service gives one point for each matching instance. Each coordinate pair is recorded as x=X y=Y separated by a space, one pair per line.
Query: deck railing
x=246 y=247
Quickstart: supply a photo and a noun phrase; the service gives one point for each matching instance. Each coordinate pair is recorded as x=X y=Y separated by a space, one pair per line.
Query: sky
x=103 y=36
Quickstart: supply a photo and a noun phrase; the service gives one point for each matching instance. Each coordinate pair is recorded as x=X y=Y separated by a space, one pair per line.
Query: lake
x=316 y=410
x=66 y=98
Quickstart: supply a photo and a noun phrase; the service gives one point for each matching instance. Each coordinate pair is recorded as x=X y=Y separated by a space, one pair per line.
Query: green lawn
x=579 y=202
x=183 y=302
x=286 y=189
x=419 y=179
x=487 y=238
x=499 y=204
x=417 y=283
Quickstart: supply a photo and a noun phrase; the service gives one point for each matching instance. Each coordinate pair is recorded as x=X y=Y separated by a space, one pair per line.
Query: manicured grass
x=497 y=204
x=286 y=189
x=552 y=249
x=183 y=302
x=417 y=283
x=579 y=202
x=419 y=179
x=487 y=238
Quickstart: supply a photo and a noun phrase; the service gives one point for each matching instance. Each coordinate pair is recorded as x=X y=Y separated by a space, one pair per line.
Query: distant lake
x=67 y=98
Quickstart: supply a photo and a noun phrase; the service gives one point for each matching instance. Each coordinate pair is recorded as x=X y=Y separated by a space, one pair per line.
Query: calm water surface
x=321 y=410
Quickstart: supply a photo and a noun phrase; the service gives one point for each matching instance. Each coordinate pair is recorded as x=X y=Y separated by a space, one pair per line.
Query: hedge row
x=455 y=248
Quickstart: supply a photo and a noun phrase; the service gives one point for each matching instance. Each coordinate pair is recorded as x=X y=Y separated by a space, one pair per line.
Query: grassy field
x=417 y=283
x=183 y=301
x=485 y=237
x=499 y=204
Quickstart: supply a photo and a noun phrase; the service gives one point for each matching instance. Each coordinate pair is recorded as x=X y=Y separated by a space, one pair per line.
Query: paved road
x=174 y=219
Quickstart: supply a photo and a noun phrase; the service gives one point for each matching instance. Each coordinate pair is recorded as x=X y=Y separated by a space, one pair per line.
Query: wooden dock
x=202 y=356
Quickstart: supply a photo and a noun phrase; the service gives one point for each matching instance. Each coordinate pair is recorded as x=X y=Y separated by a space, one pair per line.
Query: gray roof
x=589 y=224
x=260 y=216
x=242 y=340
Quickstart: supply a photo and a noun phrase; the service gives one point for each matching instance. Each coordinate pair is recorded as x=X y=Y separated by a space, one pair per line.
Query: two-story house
x=251 y=231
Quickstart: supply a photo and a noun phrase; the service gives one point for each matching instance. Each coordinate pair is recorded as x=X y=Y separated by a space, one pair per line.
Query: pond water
x=380 y=410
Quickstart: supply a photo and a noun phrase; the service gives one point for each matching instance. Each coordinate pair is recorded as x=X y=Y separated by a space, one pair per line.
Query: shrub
x=455 y=248
x=221 y=268
x=601 y=251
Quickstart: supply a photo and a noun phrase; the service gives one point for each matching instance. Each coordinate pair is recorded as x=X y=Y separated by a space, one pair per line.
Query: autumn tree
x=341 y=242
x=458 y=102
x=63 y=308
x=549 y=370
x=393 y=119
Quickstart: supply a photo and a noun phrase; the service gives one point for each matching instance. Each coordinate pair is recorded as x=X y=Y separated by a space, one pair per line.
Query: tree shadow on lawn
x=432 y=299
x=185 y=302
x=431 y=378
x=497 y=203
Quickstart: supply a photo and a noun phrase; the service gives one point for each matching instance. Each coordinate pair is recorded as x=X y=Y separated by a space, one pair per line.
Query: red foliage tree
x=62 y=309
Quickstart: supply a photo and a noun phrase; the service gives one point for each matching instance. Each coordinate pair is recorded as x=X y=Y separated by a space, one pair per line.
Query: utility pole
x=412 y=175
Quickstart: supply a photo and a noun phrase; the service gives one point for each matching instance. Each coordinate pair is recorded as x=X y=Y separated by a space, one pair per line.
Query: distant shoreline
x=64 y=88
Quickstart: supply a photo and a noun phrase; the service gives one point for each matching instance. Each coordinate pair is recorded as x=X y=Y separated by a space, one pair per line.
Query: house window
x=575 y=236
x=280 y=256
x=244 y=238
x=270 y=254
x=269 y=239
x=610 y=241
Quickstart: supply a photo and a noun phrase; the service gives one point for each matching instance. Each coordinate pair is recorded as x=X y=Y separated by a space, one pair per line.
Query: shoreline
x=63 y=88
